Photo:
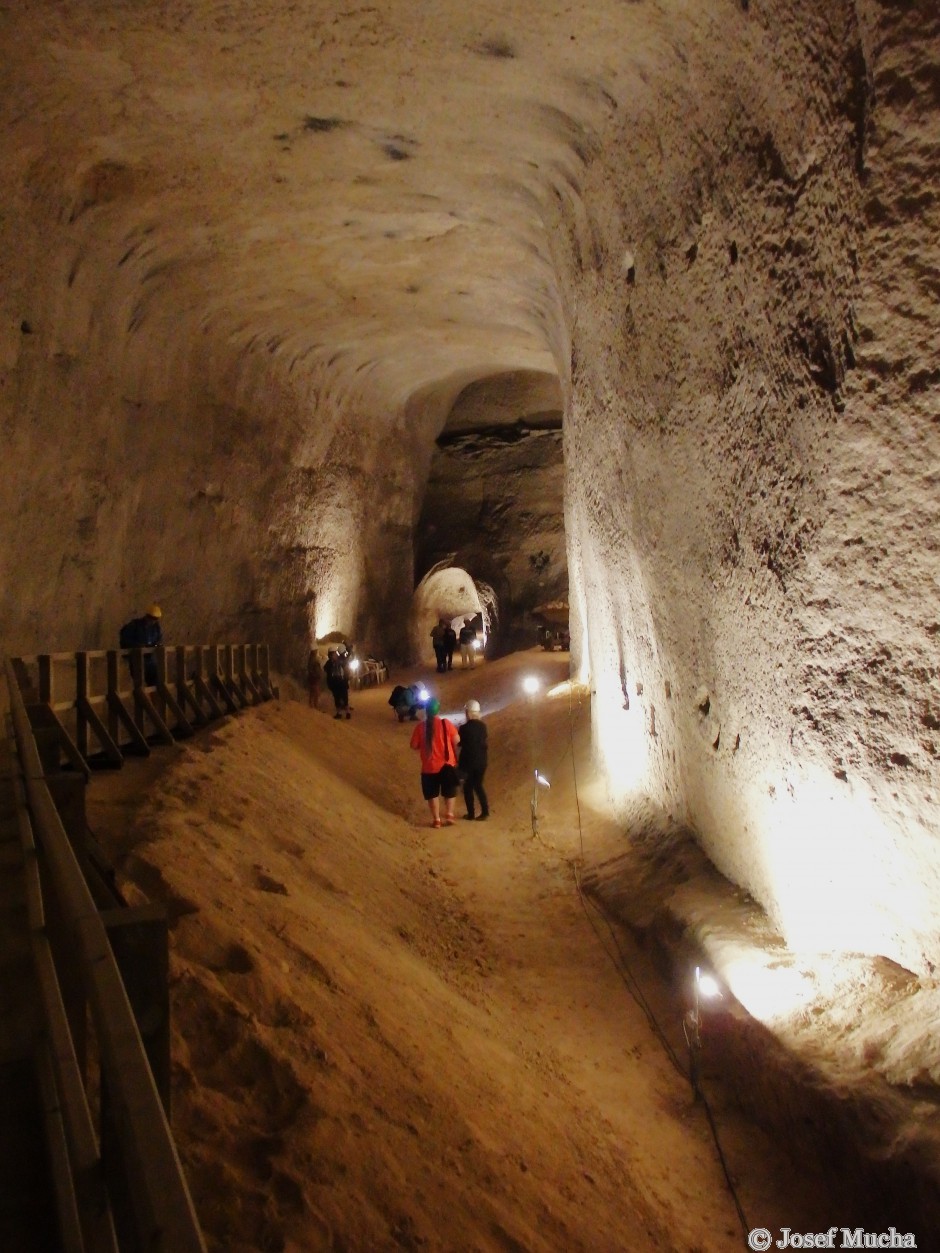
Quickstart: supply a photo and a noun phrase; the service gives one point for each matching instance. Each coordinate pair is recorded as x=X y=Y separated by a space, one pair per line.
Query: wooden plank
x=63 y=1185
x=183 y=728
x=46 y=685
x=145 y=709
x=244 y=678
x=81 y=703
x=139 y=743
x=228 y=664
x=206 y=694
x=264 y=664
x=198 y=717
x=100 y=731
x=157 y=683
x=201 y=687
x=164 y=700
x=85 y=1158
x=23 y=676
x=184 y=693
x=216 y=682
x=113 y=695
x=220 y=688
x=42 y=718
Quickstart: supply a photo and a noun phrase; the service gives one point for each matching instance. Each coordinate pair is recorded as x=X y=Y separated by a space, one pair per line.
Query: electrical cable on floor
x=629 y=980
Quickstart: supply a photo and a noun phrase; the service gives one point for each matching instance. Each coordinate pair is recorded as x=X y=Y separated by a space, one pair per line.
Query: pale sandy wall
x=181 y=464
x=752 y=463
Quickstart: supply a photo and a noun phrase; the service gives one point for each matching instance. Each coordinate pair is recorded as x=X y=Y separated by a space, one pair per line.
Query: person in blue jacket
x=145 y=632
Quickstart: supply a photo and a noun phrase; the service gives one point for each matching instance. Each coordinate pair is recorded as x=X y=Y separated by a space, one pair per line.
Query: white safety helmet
x=472 y=706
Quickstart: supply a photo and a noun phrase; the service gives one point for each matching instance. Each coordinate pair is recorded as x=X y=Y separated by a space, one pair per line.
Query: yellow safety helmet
x=154 y=612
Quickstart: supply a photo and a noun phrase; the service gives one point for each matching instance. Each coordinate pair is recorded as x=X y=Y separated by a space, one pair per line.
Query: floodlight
x=707 y=985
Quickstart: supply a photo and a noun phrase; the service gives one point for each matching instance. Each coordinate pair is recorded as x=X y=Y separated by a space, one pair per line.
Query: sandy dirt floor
x=387 y=1036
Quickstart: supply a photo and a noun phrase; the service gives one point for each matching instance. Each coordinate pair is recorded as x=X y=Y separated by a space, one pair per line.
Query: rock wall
x=202 y=488
x=751 y=447
x=493 y=504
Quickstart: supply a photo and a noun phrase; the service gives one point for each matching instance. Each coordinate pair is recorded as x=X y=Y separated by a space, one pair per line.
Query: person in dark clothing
x=450 y=643
x=472 y=761
x=468 y=637
x=407 y=701
x=437 y=640
x=337 y=680
x=144 y=632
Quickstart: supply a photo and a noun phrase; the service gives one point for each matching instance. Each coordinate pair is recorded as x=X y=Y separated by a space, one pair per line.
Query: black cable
x=627 y=977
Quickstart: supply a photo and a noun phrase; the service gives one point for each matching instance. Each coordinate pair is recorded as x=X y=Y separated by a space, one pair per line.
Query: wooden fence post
x=81 y=703
x=244 y=676
x=118 y=715
x=228 y=662
x=46 y=683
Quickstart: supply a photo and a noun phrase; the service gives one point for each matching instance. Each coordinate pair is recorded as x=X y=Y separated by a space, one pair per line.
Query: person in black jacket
x=337 y=680
x=407 y=701
x=450 y=643
x=472 y=761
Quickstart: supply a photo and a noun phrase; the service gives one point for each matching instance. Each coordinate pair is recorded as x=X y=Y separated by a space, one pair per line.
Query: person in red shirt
x=436 y=739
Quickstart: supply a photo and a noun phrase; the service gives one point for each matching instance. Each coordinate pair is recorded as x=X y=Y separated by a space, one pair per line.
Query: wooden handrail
x=121 y=700
x=162 y=1208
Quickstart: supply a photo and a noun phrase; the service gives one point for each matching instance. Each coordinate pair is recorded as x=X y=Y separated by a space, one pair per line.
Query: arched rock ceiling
x=370 y=181
x=518 y=397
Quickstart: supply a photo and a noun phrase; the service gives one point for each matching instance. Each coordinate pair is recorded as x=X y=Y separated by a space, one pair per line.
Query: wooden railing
x=103 y=1064
x=119 y=1186
x=97 y=706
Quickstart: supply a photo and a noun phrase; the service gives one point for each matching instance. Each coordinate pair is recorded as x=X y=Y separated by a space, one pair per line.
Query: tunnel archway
x=494 y=502
x=451 y=593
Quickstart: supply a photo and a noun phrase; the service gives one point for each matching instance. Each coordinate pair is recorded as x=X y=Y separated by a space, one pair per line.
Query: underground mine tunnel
x=325 y=319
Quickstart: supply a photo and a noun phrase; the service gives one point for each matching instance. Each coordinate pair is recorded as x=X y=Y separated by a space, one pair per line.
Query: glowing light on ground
x=531 y=684
x=707 y=986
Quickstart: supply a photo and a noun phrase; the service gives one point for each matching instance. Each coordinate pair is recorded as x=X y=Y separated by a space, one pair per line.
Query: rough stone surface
x=251 y=254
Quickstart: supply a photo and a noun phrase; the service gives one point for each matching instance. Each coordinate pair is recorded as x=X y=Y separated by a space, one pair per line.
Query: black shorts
x=444 y=783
